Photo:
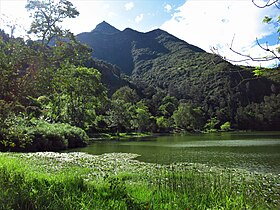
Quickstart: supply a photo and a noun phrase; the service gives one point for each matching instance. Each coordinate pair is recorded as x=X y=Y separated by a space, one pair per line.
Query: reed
x=117 y=181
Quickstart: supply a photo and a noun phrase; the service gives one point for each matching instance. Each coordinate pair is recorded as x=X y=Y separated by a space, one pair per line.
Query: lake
x=253 y=151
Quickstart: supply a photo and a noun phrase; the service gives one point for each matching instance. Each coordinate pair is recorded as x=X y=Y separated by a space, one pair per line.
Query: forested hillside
x=55 y=93
x=159 y=64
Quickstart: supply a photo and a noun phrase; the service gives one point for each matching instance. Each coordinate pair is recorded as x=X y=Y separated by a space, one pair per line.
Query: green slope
x=159 y=62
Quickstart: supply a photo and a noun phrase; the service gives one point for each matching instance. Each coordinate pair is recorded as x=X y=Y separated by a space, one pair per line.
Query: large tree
x=47 y=16
x=77 y=95
x=188 y=117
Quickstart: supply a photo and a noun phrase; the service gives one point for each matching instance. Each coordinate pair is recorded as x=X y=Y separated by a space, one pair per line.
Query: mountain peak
x=105 y=28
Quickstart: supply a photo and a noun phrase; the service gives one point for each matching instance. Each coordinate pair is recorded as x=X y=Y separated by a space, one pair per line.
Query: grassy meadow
x=49 y=180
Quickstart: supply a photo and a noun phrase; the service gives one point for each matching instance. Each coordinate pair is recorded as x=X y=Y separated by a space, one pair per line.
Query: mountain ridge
x=123 y=43
x=157 y=61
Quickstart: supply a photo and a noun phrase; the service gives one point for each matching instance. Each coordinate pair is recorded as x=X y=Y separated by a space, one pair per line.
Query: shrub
x=58 y=136
x=39 y=135
x=4 y=113
x=76 y=137
x=13 y=135
x=211 y=125
x=225 y=126
x=47 y=137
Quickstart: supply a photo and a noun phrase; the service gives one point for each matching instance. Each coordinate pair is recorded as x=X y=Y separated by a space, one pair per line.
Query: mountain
x=105 y=28
x=157 y=61
x=110 y=75
x=129 y=47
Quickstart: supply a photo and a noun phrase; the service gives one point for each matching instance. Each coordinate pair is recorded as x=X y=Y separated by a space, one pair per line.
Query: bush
x=211 y=125
x=4 y=113
x=39 y=135
x=225 y=126
x=13 y=136
x=47 y=137
x=76 y=137
x=55 y=137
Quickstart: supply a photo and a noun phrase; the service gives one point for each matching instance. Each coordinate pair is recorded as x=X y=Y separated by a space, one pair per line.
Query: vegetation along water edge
x=48 y=180
x=59 y=90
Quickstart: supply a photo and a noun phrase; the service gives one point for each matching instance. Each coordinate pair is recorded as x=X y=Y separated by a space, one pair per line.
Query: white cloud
x=13 y=13
x=168 y=7
x=139 y=18
x=100 y=10
x=129 y=6
x=112 y=14
x=209 y=24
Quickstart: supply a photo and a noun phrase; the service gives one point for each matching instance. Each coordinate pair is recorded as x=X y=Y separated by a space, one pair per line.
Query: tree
x=188 y=118
x=141 y=117
x=225 y=126
x=47 y=15
x=164 y=124
x=260 y=116
x=120 y=115
x=78 y=94
x=168 y=106
x=126 y=94
x=211 y=125
x=16 y=75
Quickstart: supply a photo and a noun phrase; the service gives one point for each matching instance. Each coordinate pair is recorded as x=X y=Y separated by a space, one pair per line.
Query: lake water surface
x=254 y=151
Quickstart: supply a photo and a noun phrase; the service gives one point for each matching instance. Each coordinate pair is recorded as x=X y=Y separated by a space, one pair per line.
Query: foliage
x=141 y=119
x=126 y=94
x=156 y=85
x=16 y=76
x=110 y=75
x=78 y=93
x=188 y=117
x=119 y=115
x=211 y=125
x=115 y=181
x=23 y=134
x=168 y=105
x=262 y=116
x=225 y=126
x=14 y=133
x=164 y=124
x=163 y=65
x=47 y=15
x=55 y=137
x=5 y=110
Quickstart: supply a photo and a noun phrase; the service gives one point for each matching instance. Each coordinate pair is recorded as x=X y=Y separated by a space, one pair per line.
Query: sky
x=208 y=24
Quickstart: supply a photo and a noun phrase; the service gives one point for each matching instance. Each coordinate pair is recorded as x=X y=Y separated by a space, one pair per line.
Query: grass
x=116 y=181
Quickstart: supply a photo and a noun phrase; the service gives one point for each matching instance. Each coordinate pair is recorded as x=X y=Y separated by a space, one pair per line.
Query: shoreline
x=148 y=185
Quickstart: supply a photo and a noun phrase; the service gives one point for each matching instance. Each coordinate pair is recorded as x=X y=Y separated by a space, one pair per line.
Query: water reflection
x=252 y=151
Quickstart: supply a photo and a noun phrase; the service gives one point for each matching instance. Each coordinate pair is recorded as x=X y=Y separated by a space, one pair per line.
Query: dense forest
x=159 y=65
x=55 y=92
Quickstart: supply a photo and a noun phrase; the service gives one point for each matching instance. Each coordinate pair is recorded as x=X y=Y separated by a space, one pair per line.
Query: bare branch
x=232 y=41
x=250 y=58
x=275 y=56
x=267 y=4
x=245 y=58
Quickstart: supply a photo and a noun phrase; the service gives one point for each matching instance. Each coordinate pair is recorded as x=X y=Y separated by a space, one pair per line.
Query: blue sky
x=205 y=23
x=141 y=15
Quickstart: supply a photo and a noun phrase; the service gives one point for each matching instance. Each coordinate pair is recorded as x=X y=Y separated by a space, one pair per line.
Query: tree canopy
x=47 y=16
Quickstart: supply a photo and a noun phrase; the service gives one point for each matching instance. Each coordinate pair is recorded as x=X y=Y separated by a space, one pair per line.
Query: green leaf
x=258 y=72
x=267 y=19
